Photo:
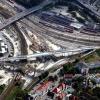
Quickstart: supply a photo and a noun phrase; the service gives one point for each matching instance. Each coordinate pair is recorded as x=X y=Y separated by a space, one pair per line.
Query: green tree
x=68 y=66
x=2 y=88
x=96 y=92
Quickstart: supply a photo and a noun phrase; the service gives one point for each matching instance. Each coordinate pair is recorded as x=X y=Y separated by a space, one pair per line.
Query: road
x=23 y=44
x=23 y=14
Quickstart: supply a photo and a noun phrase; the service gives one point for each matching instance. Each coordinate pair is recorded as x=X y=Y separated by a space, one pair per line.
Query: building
x=96 y=78
x=62 y=92
x=82 y=67
x=5 y=77
x=3 y=48
x=94 y=65
x=76 y=25
x=68 y=78
x=41 y=90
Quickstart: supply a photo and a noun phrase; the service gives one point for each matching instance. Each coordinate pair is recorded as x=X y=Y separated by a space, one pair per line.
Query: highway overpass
x=24 y=13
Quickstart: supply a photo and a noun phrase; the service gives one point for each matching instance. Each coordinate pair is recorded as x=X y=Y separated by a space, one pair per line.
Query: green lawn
x=98 y=52
x=91 y=58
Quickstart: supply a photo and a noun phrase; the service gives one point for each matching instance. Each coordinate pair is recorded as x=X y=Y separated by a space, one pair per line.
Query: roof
x=2 y=44
x=68 y=95
x=43 y=86
x=61 y=85
x=69 y=90
x=76 y=25
x=94 y=64
x=3 y=50
x=56 y=90
x=68 y=75
x=3 y=47
x=81 y=65
x=61 y=96
x=0 y=39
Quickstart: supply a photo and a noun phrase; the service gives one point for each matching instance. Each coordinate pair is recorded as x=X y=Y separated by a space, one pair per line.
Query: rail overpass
x=24 y=13
x=64 y=53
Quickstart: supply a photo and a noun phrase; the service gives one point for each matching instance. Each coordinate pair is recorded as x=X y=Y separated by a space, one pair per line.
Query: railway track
x=40 y=29
x=73 y=36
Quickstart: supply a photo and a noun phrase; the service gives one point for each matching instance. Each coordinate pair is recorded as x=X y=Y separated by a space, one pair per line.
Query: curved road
x=23 y=44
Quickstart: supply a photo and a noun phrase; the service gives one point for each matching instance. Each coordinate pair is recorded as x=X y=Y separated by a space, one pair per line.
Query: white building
x=3 y=48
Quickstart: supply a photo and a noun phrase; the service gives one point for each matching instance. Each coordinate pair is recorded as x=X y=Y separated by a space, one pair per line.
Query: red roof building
x=62 y=86
x=44 y=86
x=56 y=90
x=68 y=75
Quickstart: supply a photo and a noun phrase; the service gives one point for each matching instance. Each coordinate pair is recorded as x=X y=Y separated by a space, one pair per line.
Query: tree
x=76 y=61
x=35 y=69
x=95 y=98
x=93 y=82
x=61 y=72
x=43 y=75
x=2 y=88
x=74 y=14
x=20 y=71
x=67 y=67
x=20 y=95
x=55 y=77
x=51 y=78
x=79 y=79
x=28 y=3
x=96 y=92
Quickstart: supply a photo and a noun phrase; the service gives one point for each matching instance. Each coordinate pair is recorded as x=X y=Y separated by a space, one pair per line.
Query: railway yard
x=38 y=40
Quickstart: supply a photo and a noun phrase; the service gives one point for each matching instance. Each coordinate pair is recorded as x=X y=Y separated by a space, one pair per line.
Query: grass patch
x=91 y=58
x=98 y=52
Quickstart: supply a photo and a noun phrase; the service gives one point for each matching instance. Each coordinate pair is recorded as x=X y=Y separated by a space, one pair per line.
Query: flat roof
x=76 y=25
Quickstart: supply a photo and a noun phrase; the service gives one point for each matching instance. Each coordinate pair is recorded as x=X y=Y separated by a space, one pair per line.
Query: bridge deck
x=23 y=14
x=65 y=53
